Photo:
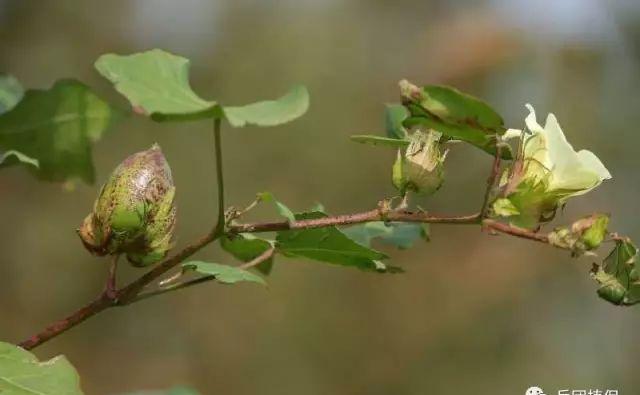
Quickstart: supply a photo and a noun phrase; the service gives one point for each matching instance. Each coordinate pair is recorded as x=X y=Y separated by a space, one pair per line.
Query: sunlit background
x=473 y=314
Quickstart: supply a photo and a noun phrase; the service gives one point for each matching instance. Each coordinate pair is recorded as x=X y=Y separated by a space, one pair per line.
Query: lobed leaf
x=455 y=114
x=22 y=374
x=270 y=112
x=399 y=234
x=223 y=273
x=58 y=127
x=156 y=83
x=329 y=245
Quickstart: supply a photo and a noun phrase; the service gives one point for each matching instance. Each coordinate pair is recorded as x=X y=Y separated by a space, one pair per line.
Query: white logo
x=534 y=391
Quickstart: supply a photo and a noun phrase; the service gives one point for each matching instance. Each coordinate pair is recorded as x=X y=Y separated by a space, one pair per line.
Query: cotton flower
x=548 y=172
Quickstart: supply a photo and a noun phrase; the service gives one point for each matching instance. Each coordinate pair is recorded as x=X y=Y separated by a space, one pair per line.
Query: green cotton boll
x=135 y=212
x=420 y=168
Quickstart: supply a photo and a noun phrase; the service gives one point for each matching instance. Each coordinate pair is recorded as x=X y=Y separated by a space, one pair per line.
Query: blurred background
x=472 y=314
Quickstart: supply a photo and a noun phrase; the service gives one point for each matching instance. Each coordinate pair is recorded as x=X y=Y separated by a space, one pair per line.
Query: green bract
x=135 y=212
x=547 y=173
x=420 y=168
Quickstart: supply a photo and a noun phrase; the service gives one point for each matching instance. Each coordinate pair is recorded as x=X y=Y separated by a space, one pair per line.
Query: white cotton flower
x=551 y=172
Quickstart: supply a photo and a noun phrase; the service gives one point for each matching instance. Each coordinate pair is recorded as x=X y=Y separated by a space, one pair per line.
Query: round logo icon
x=534 y=391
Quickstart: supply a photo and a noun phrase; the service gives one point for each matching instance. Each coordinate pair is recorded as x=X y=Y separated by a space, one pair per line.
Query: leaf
x=394 y=115
x=327 y=244
x=379 y=140
x=156 y=83
x=246 y=247
x=15 y=156
x=456 y=114
x=281 y=208
x=399 y=234
x=223 y=273
x=22 y=374
x=58 y=127
x=619 y=275
x=11 y=92
x=270 y=112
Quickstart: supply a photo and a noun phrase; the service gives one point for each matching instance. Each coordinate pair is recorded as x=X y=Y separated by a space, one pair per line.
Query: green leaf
x=399 y=234
x=11 y=92
x=223 y=273
x=156 y=83
x=327 y=244
x=281 y=208
x=58 y=127
x=379 y=140
x=246 y=247
x=10 y=157
x=619 y=275
x=394 y=115
x=270 y=112
x=455 y=114
x=22 y=374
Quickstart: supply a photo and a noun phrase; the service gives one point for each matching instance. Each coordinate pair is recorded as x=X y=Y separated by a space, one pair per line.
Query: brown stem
x=357 y=218
x=190 y=283
x=515 y=231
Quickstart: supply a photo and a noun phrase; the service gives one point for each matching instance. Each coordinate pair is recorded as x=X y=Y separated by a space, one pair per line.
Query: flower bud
x=420 y=169
x=134 y=213
x=584 y=235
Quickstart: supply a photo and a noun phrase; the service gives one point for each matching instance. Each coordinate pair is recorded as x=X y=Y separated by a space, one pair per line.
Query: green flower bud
x=420 y=168
x=134 y=213
x=584 y=235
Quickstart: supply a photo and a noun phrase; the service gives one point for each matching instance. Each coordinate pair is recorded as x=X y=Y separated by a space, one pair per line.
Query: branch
x=357 y=218
x=189 y=283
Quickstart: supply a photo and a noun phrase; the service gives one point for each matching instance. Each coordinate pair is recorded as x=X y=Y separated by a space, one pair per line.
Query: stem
x=515 y=231
x=357 y=218
x=491 y=181
x=219 y=175
x=190 y=283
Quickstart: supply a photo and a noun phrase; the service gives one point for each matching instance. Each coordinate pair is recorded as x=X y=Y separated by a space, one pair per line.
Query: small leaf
x=327 y=244
x=394 y=115
x=58 y=127
x=223 y=273
x=11 y=92
x=379 y=140
x=281 y=208
x=619 y=275
x=270 y=112
x=21 y=374
x=13 y=156
x=399 y=234
x=455 y=114
x=156 y=83
x=246 y=247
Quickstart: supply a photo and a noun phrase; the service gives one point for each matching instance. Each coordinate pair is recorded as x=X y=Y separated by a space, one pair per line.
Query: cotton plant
x=547 y=172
